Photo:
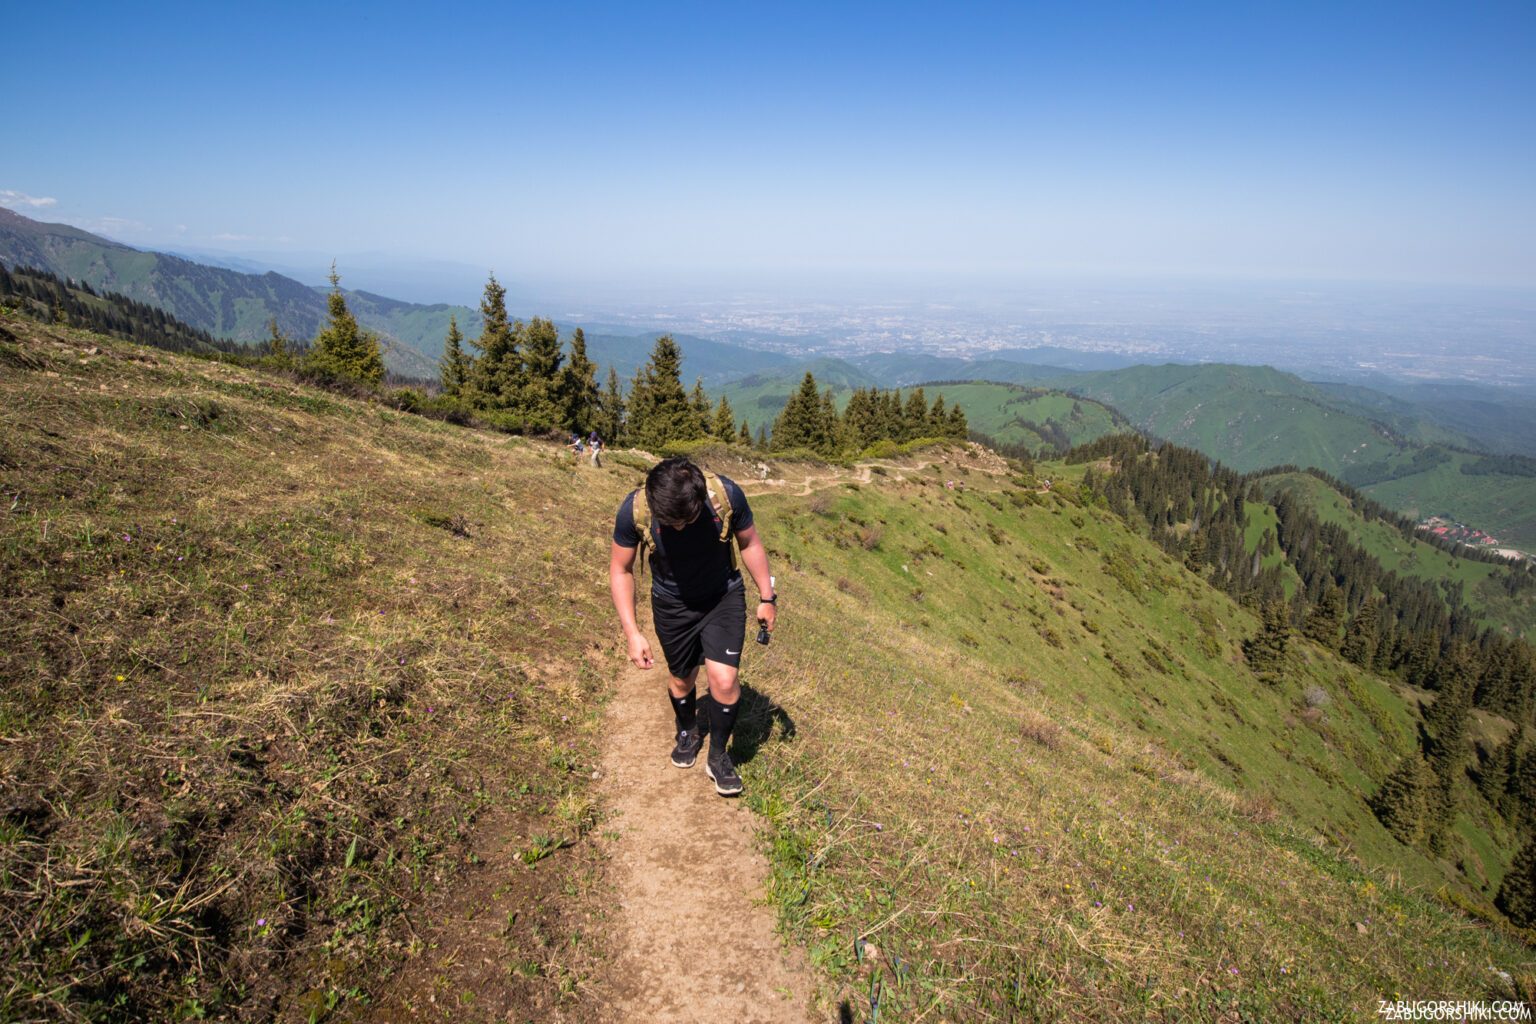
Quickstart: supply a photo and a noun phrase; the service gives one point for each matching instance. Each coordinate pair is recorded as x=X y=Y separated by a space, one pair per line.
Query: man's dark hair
x=675 y=490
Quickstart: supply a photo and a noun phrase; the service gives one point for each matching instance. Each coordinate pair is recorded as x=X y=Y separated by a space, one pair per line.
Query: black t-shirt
x=690 y=564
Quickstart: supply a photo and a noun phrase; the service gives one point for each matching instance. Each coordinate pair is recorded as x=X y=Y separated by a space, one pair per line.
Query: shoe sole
x=685 y=764
x=719 y=788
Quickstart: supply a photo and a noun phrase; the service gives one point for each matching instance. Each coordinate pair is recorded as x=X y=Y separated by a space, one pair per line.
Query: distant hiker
x=574 y=444
x=596 y=444
x=688 y=519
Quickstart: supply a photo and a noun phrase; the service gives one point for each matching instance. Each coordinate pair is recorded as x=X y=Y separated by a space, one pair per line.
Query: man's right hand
x=640 y=650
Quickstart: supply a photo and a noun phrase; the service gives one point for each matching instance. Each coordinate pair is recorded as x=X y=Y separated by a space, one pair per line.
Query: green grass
x=282 y=651
x=1028 y=766
x=1034 y=417
x=1504 y=506
x=1480 y=583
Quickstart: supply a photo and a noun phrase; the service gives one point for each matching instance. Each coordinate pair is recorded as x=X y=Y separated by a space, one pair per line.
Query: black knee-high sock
x=722 y=719
x=686 y=710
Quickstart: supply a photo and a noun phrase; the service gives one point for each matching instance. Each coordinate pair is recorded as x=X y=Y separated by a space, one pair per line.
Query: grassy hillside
x=1028 y=765
x=1039 y=419
x=272 y=657
x=1481 y=583
x=283 y=655
x=1501 y=504
x=1253 y=417
x=759 y=397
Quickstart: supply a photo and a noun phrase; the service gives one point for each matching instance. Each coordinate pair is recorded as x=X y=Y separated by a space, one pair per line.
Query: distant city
x=1377 y=332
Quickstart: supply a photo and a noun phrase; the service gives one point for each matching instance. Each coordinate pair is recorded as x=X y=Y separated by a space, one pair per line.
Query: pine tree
x=659 y=409
x=1496 y=776
x=1327 y=616
x=1402 y=802
x=279 y=348
x=914 y=418
x=799 y=423
x=701 y=408
x=1517 y=893
x=745 y=437
x=577 y=393
x=1266 y=649
x=958 y=427
x=724 y=426
x=1360 y=639
x=539 y=400
x=455 y=365
x=610 y=410
x=342 y=350
x=829 y=426
x=498 y=370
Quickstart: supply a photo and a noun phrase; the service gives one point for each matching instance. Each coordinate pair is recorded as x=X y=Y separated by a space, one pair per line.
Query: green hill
x=1482 y=584
x=1036 y=418
x=1006 y=756
x=759 y=397
x=1458 y=484
x=1253 y=417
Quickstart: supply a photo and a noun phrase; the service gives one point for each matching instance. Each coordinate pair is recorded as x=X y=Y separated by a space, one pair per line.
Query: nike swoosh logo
x=729 y=651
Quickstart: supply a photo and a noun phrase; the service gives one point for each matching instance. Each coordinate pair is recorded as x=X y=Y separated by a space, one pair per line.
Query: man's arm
x=621 y=584
x=755 y=557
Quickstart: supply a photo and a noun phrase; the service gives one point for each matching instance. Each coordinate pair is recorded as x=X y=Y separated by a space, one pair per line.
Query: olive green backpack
x=719 y=503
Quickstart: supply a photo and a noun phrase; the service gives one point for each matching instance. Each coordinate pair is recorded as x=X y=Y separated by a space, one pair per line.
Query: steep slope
x=1039 y=419
x=1007 y=758
x=1252 y=417
x=1483 y=585
x=225 y=303
x=275 y=662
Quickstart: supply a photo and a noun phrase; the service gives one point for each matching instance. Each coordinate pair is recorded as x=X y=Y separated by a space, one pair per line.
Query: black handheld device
x=762 y=632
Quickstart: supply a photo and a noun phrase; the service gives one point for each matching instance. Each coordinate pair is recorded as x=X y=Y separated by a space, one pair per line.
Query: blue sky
x=1327 y=141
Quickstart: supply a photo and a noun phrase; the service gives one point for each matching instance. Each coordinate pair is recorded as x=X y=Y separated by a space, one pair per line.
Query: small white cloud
x=12 y=198
x=227 y=236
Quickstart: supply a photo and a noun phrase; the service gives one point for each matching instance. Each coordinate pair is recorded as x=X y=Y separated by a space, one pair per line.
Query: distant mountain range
x=234 y=303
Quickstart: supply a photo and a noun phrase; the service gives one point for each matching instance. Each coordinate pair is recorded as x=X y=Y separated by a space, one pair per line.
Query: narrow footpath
x=692 y=938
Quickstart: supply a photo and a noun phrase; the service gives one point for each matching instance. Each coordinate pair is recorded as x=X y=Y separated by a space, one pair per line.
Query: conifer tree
x=1327 y=616
x=914 y=418
x=1496 y=777
x=1266 y=649
x=578 y=396
x=611 y=410
x=1517 y=893
x=539 y=399
x=958 y=427
x=829 y=426
x=745 y=437
x=455 y=365
x=799 y=423
x=762 y=438
x=1360 y=639
x=938 y=419
x=701 y=409
x=279 y=348
x=498 y=370
x=659 y=409
x=1402 y=802
x=724 y=426
x=342 y=350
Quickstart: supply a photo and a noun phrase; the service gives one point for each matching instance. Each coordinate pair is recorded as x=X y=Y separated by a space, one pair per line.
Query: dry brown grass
x=269 y=654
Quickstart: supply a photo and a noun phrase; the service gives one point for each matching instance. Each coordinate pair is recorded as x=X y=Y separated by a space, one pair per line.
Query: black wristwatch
x=768 y=600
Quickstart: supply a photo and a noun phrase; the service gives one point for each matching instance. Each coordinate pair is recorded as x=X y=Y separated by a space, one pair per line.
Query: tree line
x=1401 y=626
x=52 y=299
x=519 y=376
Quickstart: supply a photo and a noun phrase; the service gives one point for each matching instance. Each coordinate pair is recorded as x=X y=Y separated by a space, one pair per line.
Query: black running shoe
x=719 y=767
x=687 y=750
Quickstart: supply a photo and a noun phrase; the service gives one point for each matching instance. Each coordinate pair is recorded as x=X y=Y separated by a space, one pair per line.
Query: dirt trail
x=692 y=939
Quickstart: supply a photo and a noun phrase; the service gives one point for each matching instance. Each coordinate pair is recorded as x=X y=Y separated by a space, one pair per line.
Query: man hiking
x=698 y=600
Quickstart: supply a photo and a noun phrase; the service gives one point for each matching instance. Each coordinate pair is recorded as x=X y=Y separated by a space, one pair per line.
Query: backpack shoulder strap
x=642 y=515
x=720 y=499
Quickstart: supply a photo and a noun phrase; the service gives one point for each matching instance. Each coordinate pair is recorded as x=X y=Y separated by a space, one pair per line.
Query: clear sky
x=1341 y=140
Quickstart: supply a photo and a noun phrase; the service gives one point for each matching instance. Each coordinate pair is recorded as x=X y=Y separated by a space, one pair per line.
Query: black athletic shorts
x=689 y=635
